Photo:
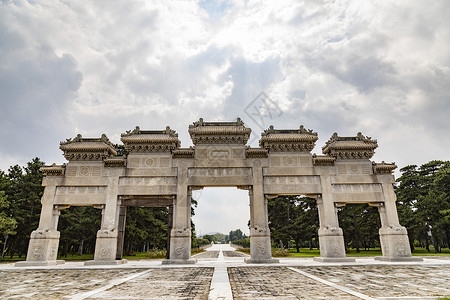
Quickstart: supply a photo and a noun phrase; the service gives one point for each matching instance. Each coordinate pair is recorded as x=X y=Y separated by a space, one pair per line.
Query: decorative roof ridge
x=302 y=130
x=53 y=170
x=383 y=167
x=359 y=137
x=80 y=139
x=200 y=123
x=255 y=152
x=183 y=153
x=137 y=130
x=323 y=160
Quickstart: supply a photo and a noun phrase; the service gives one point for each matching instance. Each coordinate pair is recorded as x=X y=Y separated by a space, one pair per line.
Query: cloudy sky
x=93 y=67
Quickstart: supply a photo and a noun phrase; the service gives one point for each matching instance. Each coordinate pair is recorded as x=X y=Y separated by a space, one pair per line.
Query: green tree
x=235 y=235
x=293 y=217
x=146 y=228
x=24 y=193
x=432 y=207
x=360 y=223
x=78 y=228
x=7 y=223
x=421 y=197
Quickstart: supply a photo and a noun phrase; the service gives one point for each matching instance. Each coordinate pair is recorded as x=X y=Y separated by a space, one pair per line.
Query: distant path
x=219 y=251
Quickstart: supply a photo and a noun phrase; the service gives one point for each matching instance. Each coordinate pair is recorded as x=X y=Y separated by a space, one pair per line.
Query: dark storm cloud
x=37 y=88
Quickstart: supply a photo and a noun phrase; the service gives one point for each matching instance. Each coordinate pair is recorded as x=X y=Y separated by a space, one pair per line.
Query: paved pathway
x=221 y=273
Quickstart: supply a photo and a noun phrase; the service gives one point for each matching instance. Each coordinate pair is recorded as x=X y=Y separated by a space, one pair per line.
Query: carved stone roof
x=80 y=148
x=323 y=160
x=138 y=140
x=301 y=139
x=255 y=153
x=117 y=162
x=183 y=153
x=219 y=132
x=359 y=146
x=53 y=170
x=383 y=168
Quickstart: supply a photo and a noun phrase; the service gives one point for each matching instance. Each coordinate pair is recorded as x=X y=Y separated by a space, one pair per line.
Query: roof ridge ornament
x=302 y=130
x=358 y=147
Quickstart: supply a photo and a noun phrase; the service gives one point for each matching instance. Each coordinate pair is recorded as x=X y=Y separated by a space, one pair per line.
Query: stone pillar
x=331 y=238
x=121 y=229
x=44 y=241
x=393 y=237
x=106 y=243
x=260 y=246
x=169 y=229
x=180 y=236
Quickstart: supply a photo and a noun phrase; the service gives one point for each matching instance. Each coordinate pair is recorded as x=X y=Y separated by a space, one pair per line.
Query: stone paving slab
x=208 y=254
x=180 y=283
x=389 y=281
x=234 y=254
x=54 y=284
x=279 y=283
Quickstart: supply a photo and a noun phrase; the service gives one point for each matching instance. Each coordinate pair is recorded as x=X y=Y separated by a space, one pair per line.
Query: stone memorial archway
x=158 y=172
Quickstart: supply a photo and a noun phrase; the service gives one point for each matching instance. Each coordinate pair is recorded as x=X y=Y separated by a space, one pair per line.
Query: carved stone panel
x=354 y=168
x=219 y=176
x=295 y=185
x=155 y=185
x=84 y=171
x=147 y=181
x=149 y=161
x=80 y=190
x=357 y=192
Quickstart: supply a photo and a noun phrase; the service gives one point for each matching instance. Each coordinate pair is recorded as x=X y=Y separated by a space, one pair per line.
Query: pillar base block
x=261 y=261
x=44 y=263
x=105 y=262
x=334 y=259
x=398 y=259
x=190 y=261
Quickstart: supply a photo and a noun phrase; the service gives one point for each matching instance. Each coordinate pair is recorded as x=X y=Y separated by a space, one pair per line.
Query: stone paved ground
x=179 y=283
x=233 y=254
x=54 y=284
x=389 y=281
x=167 y=283
x=141 y=281
x=278 y=283
x=208 y=254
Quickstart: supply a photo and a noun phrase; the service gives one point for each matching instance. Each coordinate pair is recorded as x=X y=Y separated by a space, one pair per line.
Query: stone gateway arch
x=158 y=172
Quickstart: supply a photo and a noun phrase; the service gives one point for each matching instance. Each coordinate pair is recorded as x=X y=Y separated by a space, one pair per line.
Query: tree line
x=423 y=204
x=423 y=194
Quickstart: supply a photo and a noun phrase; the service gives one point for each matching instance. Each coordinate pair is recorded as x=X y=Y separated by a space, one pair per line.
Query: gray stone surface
x=175 y=283
x=167 y=283
x=148 y=279
x=389 y=281
x=278 y=283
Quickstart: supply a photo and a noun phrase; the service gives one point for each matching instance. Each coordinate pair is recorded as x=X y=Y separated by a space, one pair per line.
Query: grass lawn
x=304 y=252
x=154 y=254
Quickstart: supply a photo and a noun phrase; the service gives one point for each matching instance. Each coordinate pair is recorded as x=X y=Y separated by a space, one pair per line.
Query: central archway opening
x=221 y=214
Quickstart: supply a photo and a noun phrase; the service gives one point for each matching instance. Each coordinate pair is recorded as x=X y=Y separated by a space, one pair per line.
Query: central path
x=220 y=283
